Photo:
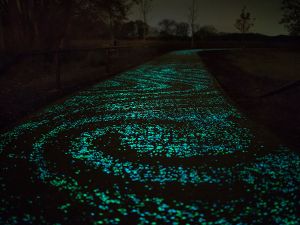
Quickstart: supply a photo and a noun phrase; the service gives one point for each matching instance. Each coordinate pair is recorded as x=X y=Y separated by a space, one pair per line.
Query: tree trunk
x=13 y=37
x=61 y=44
x=58 y=70
x=111 y=27
x=2 y=44
x=193 y=19
x=193 y=36
x=144 y=25
x=36 y=40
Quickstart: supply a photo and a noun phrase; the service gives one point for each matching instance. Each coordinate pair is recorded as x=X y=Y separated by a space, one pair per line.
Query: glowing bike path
x=160 y=144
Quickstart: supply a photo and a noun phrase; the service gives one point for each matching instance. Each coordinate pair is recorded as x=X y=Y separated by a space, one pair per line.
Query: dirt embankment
x=264 y=83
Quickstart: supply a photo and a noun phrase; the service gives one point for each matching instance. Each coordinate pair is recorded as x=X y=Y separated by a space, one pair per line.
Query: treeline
x=166 y=29
x=27 y=25
x=170 y=29
x=47 y=24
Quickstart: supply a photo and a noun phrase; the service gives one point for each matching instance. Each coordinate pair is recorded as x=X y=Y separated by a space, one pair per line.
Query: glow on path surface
x=160 y=144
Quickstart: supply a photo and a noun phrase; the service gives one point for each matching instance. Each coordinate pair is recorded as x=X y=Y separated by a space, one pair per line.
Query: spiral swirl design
x=160 y=144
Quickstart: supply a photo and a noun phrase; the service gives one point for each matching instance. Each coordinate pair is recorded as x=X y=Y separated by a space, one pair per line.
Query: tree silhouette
x=35 y=23
x=129 y=30
x=3 y=12
x=144 y=8
x=291 y=16
x=182 y=30
x=45 y=24
x=206 y=32
x=133 y=29
x=111 y=12
x=193 y=15
x=244 y=22
x=167 y=28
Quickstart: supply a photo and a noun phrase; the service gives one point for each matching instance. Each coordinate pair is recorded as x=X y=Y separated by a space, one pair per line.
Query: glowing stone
x=159 y=144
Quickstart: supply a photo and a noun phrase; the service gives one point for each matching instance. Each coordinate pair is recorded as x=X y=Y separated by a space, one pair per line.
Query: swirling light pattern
x=160 y=144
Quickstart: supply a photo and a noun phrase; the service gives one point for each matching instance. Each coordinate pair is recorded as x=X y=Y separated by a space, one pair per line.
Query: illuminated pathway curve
x=160 y=144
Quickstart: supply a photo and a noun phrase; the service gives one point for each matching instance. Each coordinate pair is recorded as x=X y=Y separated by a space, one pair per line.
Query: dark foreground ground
x=265 y=84
x=159 y=144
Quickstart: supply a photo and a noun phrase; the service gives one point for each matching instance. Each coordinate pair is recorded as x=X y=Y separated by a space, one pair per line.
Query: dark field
x=265 y=84
x=29 y=83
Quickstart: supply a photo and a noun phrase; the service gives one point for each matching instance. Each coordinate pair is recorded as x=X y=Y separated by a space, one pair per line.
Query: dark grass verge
x=278 y=111
x=34 y=86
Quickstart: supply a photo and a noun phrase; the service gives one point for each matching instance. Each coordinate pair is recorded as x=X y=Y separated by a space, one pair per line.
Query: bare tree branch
x=245 y=21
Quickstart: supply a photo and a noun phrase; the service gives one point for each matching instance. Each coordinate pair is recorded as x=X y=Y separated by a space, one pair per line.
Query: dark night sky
x=220 y=13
